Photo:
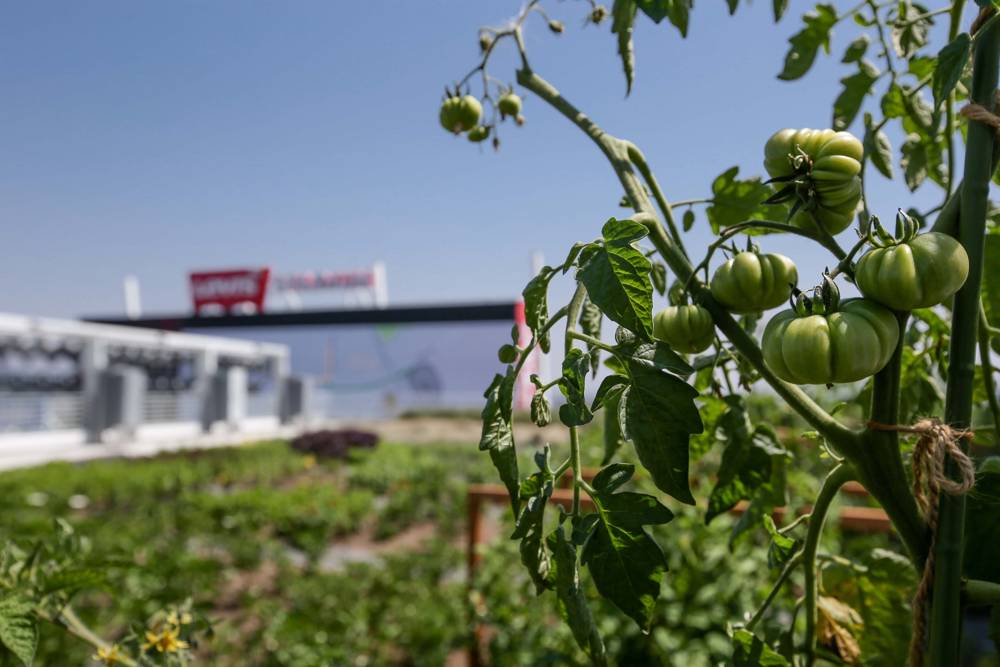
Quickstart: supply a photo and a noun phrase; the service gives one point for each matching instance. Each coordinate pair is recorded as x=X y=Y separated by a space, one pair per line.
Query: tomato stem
x=946 y=609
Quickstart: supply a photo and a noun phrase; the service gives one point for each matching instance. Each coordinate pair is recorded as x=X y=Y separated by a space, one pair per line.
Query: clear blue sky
x=156 y=137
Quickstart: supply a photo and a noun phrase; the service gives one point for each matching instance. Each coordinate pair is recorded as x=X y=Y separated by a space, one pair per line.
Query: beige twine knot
x=937 y=442
x=981 y=114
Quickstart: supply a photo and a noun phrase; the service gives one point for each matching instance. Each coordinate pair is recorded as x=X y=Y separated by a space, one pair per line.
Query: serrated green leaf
x=856 y=88
x=19 y=628
x=658 y=276
x=612 y=429
x=626 y=563
x=572 y=600
x=982 y=523
x=622 y=22
x=892 y=103
x=610 y=386
x=856 y=49
x=541 y=411
x=535 y=492
x=909 y=31
x=951 y=62
x=617 y=278
x=574 y=412
x=687 y=221
x=661 y=416
x=778 y=8
x=498 y=437
x=749 y=651
x=781 y=548
x=914 y=161
x=655 y=355
x=805 y=44
x=590 y=324
x=878 y=149
x=745 y=467
x=612 y=477
x=735 y=201
x=921 y=66
x=536 y=309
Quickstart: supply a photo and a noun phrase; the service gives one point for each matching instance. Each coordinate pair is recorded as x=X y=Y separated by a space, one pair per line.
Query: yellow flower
x=308 y=461
x=165 y=641
x=178 y=619
x=108 y=655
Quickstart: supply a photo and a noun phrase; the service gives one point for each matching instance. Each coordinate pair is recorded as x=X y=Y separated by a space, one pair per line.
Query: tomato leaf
x=612 y=477
x=877 y=148
x=536 y=489
x=655 y=355
x=18 y=628
x=982 y=521
x=610 y=386
x=746 y=461
x=856 y=88
x=590 y=324
x=909 y=31
x=572 y=600
x=658 y=276
x=617 y=278
x=612 y=425
x=749 y=651
x=951 y=62
x=622 y=22
x=497 y=436
x=676 y=10
x=806 y=43
x=892 y=102
x=914 y=161
x=779 y=7
x=536 y=305
x=574 y=412
x=660 y=416
x=781 y=548
x=856 y=49
x=626 y=563
x=735 y=200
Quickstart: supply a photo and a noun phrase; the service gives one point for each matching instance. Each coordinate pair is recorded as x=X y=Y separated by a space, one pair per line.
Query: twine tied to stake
x=981 y=114
x=937 y=442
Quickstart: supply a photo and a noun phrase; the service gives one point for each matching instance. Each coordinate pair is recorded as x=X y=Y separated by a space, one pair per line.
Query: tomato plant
x=918 y=347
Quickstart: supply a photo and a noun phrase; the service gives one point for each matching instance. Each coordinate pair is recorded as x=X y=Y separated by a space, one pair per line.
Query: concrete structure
x=73 y=389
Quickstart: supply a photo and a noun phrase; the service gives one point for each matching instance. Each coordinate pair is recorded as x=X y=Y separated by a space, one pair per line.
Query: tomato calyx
x=824 y=299
x=906 y=230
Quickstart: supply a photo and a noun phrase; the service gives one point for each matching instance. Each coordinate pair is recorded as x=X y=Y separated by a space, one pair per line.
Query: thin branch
x=790 y=566
x=827 y=492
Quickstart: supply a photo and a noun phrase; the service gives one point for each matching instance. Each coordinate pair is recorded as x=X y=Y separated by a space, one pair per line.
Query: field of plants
x=285 y=558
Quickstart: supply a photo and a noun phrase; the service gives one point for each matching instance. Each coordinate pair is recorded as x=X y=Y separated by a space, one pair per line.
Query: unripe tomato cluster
x=821 y=340
x=464 y=114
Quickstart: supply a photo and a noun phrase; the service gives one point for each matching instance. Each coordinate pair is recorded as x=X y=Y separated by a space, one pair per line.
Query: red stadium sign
x=229 y=288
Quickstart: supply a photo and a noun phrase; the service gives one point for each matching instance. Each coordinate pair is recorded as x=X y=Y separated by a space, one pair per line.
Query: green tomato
x=850 y=344
x=686 y=329
x=832 y=171
x=460 y=114
x=918 y=273
x=449 y=113
x=750 y=282
x=479 y=133
x=509 y=104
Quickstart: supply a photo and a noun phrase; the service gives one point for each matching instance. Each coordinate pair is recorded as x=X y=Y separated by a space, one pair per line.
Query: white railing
x=40 y=411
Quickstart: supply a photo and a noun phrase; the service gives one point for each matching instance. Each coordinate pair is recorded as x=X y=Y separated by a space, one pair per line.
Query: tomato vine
x=656 y=398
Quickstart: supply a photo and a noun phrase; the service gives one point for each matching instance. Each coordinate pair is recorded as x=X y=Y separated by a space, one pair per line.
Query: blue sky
x=157 y=137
